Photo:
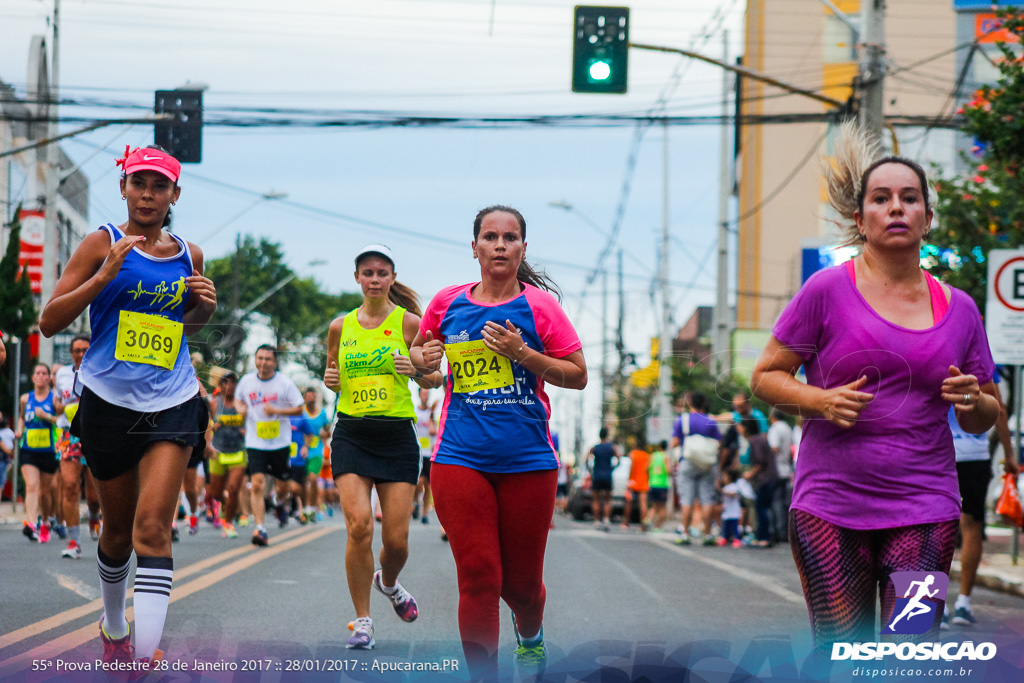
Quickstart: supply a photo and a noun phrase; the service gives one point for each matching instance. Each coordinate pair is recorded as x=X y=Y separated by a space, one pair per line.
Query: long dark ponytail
x=526 y=272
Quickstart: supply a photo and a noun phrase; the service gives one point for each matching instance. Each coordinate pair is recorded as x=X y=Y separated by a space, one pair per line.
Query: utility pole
x=720 y=349
x=620 y=345
x=604 y=347
x=664 y=405
x=50 y=156
x=236 y=287
x=872 y=67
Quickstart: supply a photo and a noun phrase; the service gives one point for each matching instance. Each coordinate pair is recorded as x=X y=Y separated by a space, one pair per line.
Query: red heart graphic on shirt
x=387 y=333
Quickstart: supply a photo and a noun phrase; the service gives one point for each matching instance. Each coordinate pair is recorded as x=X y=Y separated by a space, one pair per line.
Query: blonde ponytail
x=854 y=153
x=405 y=297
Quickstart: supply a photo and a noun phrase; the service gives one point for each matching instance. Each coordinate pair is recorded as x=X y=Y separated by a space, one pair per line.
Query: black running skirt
x=384 y=449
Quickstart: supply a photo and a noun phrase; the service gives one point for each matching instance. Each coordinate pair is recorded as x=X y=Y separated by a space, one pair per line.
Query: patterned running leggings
x=841 y=569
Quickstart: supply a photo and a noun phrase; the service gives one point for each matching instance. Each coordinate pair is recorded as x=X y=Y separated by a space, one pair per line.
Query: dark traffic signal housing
x=182 y=135
x=600 y=49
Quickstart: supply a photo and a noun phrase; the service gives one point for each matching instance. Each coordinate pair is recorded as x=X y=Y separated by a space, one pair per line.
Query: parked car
x=581 y=498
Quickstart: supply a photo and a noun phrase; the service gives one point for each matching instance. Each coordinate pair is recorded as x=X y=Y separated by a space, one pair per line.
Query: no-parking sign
x=1004 y=306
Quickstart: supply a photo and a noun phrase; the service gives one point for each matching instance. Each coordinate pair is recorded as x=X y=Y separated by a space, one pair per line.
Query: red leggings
x=497 y=525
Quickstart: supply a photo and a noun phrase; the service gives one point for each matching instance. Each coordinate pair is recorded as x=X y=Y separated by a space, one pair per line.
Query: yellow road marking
x=51 y=649
x=78 y=612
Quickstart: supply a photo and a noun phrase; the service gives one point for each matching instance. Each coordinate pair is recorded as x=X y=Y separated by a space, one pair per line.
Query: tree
x=299 y=312
x=17 y=309
x=984 y=209
x=636 y=401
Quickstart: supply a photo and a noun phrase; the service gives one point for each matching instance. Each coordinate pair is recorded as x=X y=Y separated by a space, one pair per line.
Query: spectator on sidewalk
x=731 y=507
x=780 y=438
x=6 y=451
x=742 y=407
x=763 y=477
x=695 y=482
x=974 y=472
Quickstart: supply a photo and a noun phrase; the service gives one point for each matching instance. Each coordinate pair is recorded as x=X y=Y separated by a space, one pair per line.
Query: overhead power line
x=384 y=120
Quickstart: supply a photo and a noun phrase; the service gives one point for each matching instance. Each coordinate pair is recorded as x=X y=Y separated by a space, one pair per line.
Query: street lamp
x=274 y=289
x=234 y=337
x=272 y=194
x=562 y=204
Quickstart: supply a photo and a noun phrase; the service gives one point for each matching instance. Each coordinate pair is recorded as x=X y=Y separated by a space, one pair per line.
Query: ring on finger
x=967 y=399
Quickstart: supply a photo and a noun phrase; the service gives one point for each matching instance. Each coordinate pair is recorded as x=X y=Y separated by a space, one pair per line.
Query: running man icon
x=921 y=593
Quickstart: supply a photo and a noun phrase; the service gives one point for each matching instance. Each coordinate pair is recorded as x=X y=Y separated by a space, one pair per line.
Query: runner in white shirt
x=71 y=458
x=267 y=399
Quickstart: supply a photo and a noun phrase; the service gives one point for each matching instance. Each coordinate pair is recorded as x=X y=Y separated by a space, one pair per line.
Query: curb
x=993 y=579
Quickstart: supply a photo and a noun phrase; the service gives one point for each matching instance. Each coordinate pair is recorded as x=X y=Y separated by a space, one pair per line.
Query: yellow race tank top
x=370 y=385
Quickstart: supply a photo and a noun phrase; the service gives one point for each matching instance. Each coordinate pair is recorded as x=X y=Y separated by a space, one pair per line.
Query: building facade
x=23 y=185
x=782 y=207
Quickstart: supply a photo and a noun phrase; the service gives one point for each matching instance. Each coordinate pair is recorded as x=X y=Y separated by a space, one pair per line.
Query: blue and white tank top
x=38 y=436
x=139 y=355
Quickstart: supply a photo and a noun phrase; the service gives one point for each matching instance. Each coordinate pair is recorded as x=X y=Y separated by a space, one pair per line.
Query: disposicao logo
x=918 y=598
x=922 y=592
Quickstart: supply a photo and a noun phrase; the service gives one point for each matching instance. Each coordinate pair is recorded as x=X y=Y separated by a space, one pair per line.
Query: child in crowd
x=731 y=509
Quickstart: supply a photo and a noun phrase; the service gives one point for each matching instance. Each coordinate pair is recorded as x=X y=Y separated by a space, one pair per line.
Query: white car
x=581 y=498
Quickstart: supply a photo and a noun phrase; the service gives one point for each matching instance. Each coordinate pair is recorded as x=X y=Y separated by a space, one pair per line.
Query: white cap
x=378 y=250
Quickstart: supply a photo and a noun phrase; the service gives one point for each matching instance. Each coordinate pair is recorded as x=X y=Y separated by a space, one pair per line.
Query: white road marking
x=76 y=586
x=665 y=540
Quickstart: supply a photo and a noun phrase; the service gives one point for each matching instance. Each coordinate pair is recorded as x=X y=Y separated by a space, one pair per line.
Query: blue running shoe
x=962 y=616
x=531 y=656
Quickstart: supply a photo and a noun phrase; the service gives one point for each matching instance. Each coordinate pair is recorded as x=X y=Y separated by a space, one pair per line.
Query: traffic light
x=600 y=49
x=181 y=136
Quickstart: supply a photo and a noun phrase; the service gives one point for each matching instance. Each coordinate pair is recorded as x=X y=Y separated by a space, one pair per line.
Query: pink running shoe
x=117 y=650
x=401 y=600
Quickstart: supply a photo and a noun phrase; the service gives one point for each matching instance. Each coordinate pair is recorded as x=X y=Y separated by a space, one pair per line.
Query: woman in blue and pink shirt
x=495 y=469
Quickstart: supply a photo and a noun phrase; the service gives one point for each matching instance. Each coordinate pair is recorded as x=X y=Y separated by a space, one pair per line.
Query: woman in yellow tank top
x=374 y=442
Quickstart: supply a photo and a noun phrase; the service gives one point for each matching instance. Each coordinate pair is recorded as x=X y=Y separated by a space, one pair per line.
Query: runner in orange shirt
x=639 y=485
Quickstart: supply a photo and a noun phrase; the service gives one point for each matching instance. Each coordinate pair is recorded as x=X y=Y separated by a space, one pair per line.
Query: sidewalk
x=997 y=571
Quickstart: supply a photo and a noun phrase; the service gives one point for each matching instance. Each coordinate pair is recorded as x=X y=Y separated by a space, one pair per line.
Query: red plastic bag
x=1008 y=504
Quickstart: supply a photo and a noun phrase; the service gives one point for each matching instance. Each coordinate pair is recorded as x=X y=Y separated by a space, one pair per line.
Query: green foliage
x=994 y=115
x=695 y=378
x=636 y=404
x=299 y=312
x=631 y=411
x=17 y=310
x=984 y=208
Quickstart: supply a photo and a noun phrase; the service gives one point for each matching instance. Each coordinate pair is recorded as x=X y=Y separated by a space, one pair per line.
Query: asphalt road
x=622 y=603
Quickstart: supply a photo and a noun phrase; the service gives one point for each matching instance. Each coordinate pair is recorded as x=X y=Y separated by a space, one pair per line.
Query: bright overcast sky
x=416 y=189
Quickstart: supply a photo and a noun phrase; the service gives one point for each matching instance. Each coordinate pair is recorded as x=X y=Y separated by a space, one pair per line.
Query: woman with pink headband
x=145 y=292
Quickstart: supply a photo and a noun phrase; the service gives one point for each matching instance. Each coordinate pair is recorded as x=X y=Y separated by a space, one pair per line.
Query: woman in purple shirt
x=886 y=350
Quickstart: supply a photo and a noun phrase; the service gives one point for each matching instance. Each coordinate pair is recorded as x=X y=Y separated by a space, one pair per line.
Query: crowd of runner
x=260 y=445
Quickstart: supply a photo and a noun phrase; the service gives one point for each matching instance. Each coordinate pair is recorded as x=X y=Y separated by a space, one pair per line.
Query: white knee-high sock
x=114 y=585
x=152 y=593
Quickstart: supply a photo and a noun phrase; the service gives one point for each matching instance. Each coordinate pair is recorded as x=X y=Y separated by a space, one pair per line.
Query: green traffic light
x=599 y=70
